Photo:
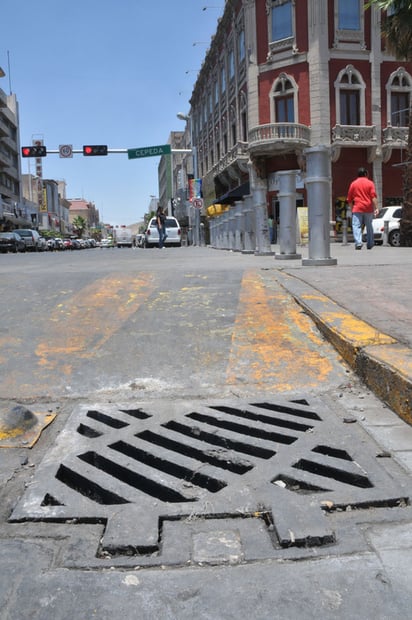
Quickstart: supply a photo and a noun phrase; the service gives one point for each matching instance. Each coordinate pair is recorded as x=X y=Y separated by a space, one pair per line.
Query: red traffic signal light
x=33 y=151
x=91 y=150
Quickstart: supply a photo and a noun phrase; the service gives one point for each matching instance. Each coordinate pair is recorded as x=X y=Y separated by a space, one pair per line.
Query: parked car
x=173 y=232
x=42 y=245
x=11 y=242
x=391 y=215
x=67 y=244
x=30 y=238
x=54 y=244
x=107 y=243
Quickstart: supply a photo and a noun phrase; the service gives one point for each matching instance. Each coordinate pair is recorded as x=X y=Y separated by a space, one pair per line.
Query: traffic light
x=33 y=151
x=91 y=150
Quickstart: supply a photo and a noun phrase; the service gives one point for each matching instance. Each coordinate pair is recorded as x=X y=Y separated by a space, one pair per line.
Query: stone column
x=258 y=185
x=318 y=188
x=249 y=232
x=287 y=215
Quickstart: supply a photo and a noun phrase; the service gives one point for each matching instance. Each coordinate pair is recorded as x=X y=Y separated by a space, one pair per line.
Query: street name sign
x=149 y=151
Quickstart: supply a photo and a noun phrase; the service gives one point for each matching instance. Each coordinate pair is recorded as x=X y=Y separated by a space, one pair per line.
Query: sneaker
x=358 y=247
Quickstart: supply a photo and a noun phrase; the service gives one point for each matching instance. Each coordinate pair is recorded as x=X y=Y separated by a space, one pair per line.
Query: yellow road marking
x=273 y=343
x=87 y=320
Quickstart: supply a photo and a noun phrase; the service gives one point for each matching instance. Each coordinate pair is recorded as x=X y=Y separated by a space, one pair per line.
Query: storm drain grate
x=135 y=468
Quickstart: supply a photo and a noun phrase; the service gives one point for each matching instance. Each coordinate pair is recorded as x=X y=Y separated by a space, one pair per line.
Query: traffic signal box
x=33 y=151
x=91 y=150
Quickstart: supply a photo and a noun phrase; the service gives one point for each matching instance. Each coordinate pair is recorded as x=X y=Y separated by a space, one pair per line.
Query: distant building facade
x=79 y=207
x=12 y=212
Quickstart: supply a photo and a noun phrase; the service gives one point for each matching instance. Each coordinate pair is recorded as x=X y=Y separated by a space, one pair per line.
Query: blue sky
x=112 y=72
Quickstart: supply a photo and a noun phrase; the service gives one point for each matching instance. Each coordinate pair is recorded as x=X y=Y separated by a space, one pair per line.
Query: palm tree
x=396 y=28
x=79 y=225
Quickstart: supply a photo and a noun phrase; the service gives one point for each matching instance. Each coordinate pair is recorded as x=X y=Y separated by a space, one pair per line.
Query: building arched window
x=350 y=97
x=283 y=93
x=398 y=90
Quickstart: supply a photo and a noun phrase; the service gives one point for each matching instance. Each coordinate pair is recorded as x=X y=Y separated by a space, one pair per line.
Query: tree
x=79 y=225
x=396 y=28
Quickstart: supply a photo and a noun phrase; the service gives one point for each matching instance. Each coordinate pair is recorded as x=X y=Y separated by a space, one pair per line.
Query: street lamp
x=188 y=118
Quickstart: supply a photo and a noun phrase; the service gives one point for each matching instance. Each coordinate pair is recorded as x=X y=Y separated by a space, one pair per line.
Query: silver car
x=173 y=232
x=31 y=238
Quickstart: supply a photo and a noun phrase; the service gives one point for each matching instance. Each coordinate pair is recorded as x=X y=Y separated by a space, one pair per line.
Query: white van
x=123 y=237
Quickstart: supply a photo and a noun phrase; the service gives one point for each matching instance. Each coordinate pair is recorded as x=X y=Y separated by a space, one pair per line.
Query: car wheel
x=395 y=238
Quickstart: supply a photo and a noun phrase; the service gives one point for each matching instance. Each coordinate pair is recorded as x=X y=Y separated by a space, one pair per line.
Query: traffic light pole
x=120 y=151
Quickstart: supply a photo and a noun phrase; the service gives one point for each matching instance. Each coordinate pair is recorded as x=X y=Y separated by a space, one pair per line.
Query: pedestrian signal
x=91 y=150
x=33 y=151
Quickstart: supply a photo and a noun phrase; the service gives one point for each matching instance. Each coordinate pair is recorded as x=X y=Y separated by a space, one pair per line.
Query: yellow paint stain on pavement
x=273 y=343
x=87 y=320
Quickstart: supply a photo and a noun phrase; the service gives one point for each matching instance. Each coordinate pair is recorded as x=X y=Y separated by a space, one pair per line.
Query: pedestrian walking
x=363 y=201
x=161 y=226
x=271 y=229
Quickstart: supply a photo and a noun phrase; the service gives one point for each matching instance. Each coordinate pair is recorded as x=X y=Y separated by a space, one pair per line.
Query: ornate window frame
x=359 y=84
x=284 y=79
x=403 y=76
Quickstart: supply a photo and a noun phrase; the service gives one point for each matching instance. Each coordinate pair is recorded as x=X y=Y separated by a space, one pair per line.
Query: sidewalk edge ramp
x=383 y=364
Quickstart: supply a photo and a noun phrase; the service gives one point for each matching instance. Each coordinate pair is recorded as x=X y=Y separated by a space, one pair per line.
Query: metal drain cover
x=137 y=468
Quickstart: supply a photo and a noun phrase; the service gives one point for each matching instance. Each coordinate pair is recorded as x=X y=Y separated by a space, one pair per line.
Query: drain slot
x=264 y=418
x=87 y=431
x=242 y=429
x=298 y=486
x=136 y=413
x=334 y=452
x=339 y=475
x=133 y=479
x=302 y=413
x=218 y=440
x=106 y=419
x=224 y=462
x=88 y=488
x=173 y=469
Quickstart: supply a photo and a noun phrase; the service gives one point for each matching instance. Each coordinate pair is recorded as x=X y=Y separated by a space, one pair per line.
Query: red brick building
x=282 y=76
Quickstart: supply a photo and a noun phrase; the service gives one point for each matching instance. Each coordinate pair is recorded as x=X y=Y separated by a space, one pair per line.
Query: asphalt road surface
x=197 y=452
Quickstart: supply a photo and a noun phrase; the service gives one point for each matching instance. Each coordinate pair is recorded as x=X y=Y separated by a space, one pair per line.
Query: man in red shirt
x=363 y=201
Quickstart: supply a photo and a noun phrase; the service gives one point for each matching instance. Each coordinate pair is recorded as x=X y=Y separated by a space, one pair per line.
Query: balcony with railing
x=278 y=138
x=237 y=155
x=396 y=137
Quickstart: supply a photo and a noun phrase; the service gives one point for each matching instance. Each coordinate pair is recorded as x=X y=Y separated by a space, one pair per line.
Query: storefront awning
x=234 y=194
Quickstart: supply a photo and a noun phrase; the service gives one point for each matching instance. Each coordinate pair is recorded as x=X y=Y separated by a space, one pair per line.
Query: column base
x=310 y=262
x=287 y=256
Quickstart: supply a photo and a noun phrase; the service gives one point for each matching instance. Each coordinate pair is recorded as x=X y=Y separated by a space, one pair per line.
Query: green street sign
x=149 y=151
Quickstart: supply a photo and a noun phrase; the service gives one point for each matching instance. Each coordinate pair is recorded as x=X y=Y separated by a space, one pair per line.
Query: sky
x=112 y=72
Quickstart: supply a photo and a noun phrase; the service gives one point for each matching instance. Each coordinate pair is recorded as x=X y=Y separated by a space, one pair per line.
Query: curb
x=381 y=362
